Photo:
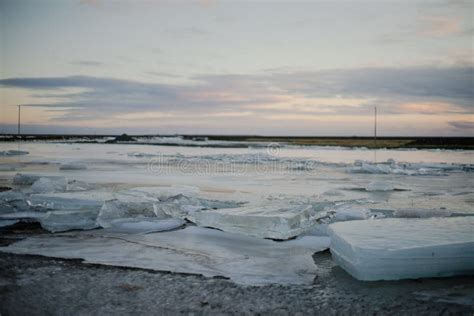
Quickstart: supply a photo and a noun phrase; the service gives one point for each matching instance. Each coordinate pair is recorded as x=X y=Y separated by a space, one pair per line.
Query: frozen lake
x=250 y=194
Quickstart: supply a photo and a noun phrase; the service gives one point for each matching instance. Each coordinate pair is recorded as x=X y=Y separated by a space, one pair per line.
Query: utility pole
x=19 y=120
x=375 y=126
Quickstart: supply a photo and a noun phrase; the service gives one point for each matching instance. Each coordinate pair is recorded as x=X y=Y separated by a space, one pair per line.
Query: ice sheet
x=243 y=259
x=393 y=249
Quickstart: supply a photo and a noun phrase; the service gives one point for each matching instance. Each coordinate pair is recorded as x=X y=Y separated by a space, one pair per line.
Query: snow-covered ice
x=393 y=249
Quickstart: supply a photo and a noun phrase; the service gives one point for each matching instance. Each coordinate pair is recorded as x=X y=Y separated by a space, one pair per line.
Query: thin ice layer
x=398 y=248
x=245 y=260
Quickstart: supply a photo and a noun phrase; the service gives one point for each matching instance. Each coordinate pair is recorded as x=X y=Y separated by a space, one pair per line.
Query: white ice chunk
x=179 y=206
x=422 y=213
x=393 y=249
x=273 y=219
x=60 y=221
x=351 y=213
x=144 y=225
x=243 y=259
x=72 y=166
x=49 y=185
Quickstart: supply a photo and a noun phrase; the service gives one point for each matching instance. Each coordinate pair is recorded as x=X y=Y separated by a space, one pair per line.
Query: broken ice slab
x=143 y=225
x=394 y=249
x=71 y=200
x=75 y=185
x=13 y=153
x=61 y=221
x=49 y=185
x=178 y=206
x=274 y=219
x=13 y=201
x=25 y=179
x=30 y=179
x=350 y=213
x=165 y=192
x=197 y=250
x=72 y=166
x=116 y=209
x=409 y=169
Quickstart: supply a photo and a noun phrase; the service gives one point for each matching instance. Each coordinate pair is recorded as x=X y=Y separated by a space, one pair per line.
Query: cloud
x=423 y=90
x=440 y=26
x=465 y=125
x=87 y=63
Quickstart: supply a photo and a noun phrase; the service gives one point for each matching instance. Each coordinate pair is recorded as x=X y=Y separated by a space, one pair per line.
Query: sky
x=238 y=67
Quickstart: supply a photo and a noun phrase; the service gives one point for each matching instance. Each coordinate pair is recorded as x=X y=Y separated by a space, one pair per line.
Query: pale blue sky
x=235 y=67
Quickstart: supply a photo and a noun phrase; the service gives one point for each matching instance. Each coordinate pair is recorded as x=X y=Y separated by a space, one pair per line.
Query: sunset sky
x=237 y=67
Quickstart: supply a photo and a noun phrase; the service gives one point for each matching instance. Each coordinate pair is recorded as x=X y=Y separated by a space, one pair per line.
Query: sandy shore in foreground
x=33 y=285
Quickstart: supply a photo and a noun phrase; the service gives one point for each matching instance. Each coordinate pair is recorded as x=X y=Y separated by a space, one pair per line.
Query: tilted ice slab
x=71 y=200
x=393 y=249
x=275 y=220
x=243 y=259
x=116 y=209
x=144 y=225
x=49 y=185
x=60 y=221
x=13 y=201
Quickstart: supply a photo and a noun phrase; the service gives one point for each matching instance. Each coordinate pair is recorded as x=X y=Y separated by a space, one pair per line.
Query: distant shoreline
x=391 y=142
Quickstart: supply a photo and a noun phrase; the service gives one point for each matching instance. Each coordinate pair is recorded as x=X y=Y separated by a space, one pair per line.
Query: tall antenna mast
x=19 y=120
x=375 y=126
